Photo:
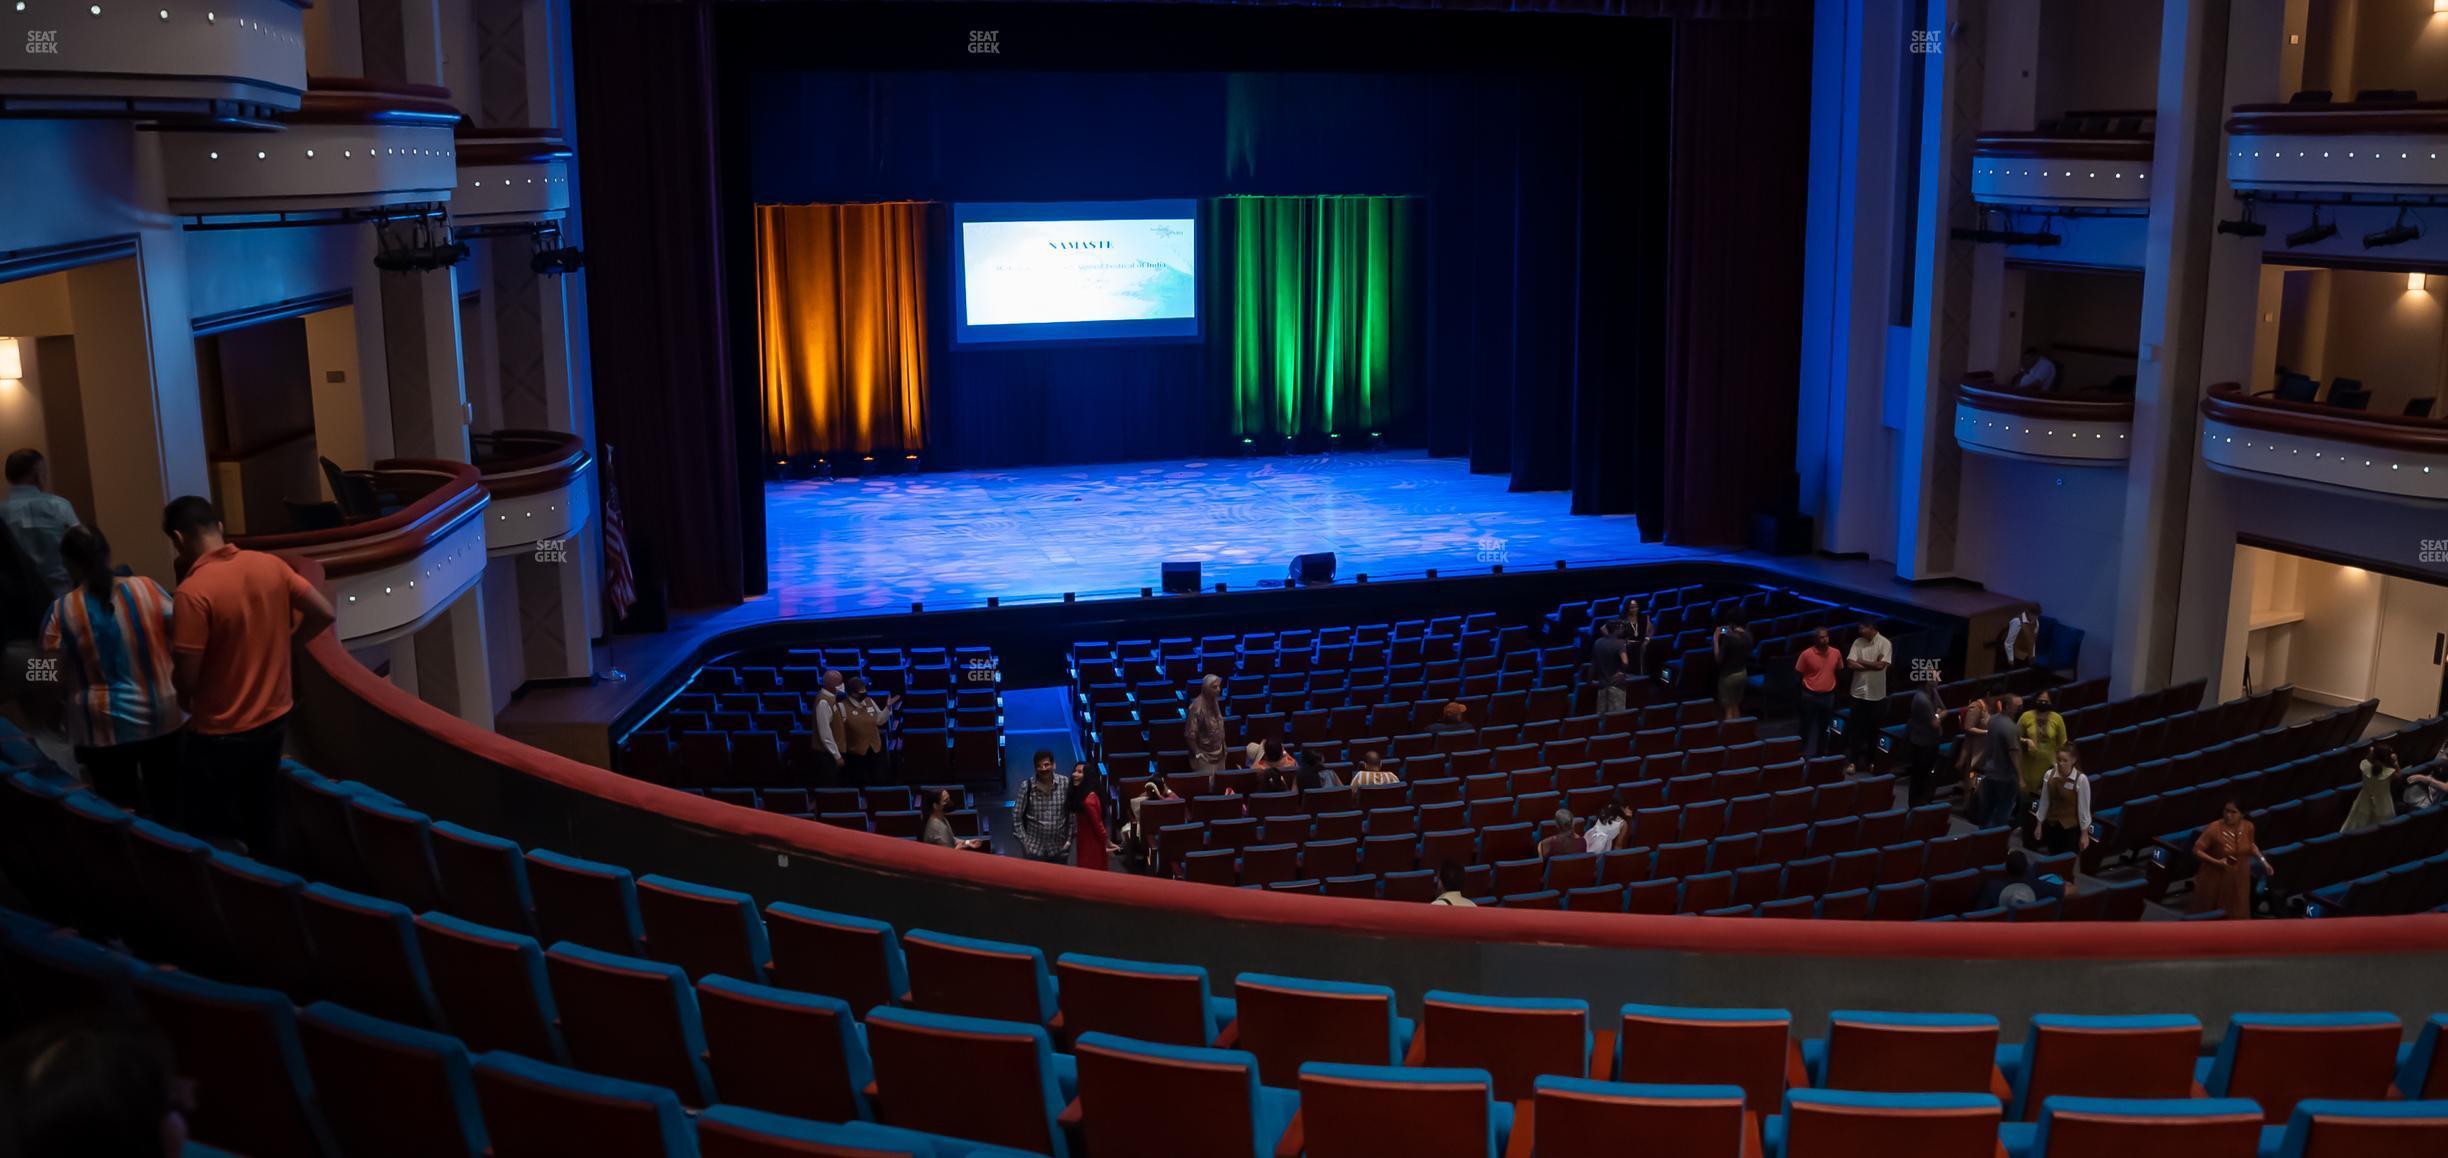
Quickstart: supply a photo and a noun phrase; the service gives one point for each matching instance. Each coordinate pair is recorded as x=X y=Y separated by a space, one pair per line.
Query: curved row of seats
x=953 y=1013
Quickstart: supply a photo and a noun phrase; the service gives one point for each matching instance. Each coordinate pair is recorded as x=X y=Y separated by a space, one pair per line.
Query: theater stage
x=949 y=540
x=954 y=538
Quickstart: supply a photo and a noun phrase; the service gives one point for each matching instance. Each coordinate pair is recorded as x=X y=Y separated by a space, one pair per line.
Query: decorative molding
x=2379 y=147
x=2338 y=450
x=227 y=61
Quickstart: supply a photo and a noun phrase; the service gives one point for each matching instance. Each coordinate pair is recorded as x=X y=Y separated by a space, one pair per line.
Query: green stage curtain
x=1323 y=321
x=842 y=327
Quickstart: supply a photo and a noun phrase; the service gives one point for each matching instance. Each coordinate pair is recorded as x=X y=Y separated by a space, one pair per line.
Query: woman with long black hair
x=110 y=636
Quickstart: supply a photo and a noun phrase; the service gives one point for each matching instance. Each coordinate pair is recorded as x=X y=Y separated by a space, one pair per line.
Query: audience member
x=232 y=625
x=2039 y=371
x=1994 y=886
x=862 y=722
x=938 y=828
x=1041 y=813
x=1094 y=842
x=1975 y=734
x=2063 y=814
x=2000 y=770
x=1449 y=887
x=1924 y=733
x=1373 y=771
x=37 y=517
x=2044 y=732
x=2375 y=802
x=1565 y=839
x=1156 y=788
x=1637 y=631
x=1732 y=646
x=2019 y=644
x=1454 y=717
x=1867 y=660
x=110 y=636
x=1312 y=774
x=1608 y=667
x=24 y=601
x=92 y=1089
x=1276 y=767
x=1817 y=666
x=1203 y=725
x=827 y=750
x=2226 y=852
x=1253 y=754
x=1605 y=830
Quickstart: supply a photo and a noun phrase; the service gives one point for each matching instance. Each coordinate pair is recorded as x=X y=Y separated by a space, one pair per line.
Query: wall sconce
x=12 y=361
x=2414 y=281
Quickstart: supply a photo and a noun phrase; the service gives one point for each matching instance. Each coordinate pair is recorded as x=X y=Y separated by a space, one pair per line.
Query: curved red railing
x=350 y=100
x=1984 y=391
x=514 y=463
x=1019 y=882
x=515 y=145
x=2340 y=117
x=2227 y=402
x=447 y=494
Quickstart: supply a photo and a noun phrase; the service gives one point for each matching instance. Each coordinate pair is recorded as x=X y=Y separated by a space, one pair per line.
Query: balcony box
x=352 y=145
x=2083 y=161
x=2382 y=148
x=173 y=61
x=2071 y=429
x=511 y=175
x=2324 y=447
x=541 y=487
x=392 y=574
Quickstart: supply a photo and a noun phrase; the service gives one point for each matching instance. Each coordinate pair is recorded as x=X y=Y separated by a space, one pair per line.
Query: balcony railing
x=2328 y=447
x=352 y=145
x=2076 y=427
x=235 y=62
x=2084 y=160
x=511 y=174
x=541 y=486
x=392 y=573
x=2349 y=147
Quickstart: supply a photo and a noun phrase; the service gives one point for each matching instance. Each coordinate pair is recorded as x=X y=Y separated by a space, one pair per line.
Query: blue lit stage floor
x=954 y=538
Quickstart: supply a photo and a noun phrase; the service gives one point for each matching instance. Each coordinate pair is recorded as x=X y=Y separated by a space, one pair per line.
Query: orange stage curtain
x=842 y=327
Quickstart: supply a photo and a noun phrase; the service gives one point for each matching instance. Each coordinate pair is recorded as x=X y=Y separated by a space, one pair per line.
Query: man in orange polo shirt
x=231 y=626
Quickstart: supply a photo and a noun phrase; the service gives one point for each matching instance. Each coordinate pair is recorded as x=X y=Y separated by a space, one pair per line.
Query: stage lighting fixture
x=1289 y=446
x=909 y=464
x=418 y=244
x=2244 y=226
x=551 y=258
x=1248 y=447
x=2397 y=234
x=2318 y=231
x=824 y=469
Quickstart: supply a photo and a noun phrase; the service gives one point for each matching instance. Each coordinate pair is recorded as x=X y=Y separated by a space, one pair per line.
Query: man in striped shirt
x=110 y=638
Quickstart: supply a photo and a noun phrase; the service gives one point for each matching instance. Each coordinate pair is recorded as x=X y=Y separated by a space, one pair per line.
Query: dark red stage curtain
x=646 y=151
x=1740 y=138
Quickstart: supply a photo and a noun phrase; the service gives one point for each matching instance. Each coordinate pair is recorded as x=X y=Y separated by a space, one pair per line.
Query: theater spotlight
x=551 y=258
x=824 y=469
x=418 y=244
x=1376 y=441
x=2397 y=234
x=2318 y=231
x=2244 y=226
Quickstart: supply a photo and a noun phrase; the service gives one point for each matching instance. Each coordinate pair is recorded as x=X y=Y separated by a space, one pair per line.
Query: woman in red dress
x=1092 y=845
x=2227 y=851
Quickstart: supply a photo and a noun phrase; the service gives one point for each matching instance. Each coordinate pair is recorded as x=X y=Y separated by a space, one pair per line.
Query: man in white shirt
x=2021 y=643
x=2039 y=373
x=1868 y=661
x=827 y=741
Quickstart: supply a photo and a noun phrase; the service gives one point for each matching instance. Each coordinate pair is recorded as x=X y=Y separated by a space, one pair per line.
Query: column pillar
x=452 y=672
x=136 y=379
x=420 y=328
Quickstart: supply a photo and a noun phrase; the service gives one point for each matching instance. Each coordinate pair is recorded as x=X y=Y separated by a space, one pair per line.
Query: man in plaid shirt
x=1042 y=814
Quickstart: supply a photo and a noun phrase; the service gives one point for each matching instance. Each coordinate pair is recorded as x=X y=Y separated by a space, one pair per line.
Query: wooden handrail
x=456 y=493
x=2341 y=117
x=1987 y=394
x=2020 y=144
x=2227 y=402
x=525 y=462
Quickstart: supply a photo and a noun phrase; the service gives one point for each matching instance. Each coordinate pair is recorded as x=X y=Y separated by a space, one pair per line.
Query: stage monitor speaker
x=1181 y=578
x=1317 y=568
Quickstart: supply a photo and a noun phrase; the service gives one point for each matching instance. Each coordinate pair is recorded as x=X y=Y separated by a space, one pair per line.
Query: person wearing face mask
x=2044 y=734
x=938 y=828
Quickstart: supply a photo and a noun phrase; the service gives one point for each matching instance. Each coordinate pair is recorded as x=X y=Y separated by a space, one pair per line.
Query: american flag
x=620 y=583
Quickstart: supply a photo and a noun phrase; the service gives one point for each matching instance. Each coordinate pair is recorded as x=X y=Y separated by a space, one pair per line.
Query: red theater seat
x=1515 y=1039
x=1140 y=1099
x=1145 y=1001
x=782 y=1051
x=988 y=1081
x=2278 y=1059
x=1907 y=1053
x=970 y=977
x=1286 y=1021
x=1361 y=1111
x=1573 y=1116
x=1852 y=1124
x=1752 y=1049
x=853 y=958
x=2072 y=1127
x=2100 y=1057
